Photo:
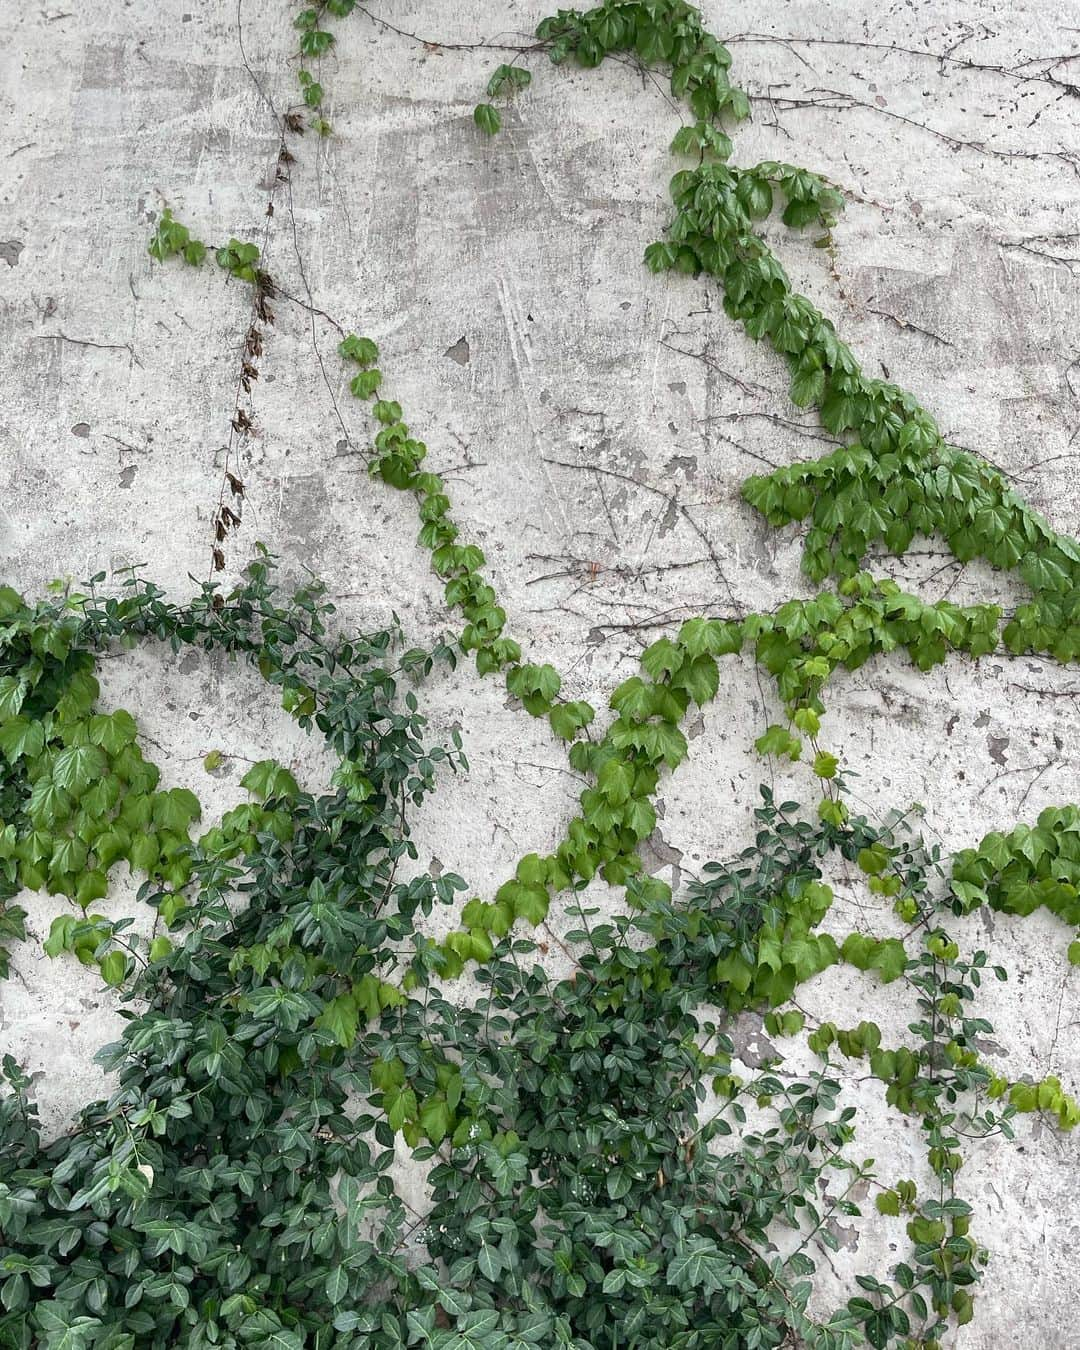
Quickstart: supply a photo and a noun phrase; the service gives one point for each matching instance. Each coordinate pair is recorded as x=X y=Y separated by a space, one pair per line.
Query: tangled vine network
x=602 y=1172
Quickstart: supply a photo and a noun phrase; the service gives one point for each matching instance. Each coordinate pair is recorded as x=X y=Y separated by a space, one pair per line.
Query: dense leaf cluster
x=595 y=1176
x=76 y=794
x=237 y=1188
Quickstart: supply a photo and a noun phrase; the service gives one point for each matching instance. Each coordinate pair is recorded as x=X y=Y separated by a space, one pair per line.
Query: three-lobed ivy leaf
x=21 y=738
x=268 y=779
x=12 y=693
x=76 y=766
x=487 y=118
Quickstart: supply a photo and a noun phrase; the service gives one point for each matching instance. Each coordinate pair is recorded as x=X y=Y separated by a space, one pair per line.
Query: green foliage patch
x=601 y=1175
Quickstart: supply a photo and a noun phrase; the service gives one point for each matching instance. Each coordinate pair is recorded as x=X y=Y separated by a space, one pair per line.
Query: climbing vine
x=601 y=1171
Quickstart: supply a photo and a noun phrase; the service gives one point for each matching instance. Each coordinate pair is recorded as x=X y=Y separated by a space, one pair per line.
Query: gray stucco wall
x=595 y=423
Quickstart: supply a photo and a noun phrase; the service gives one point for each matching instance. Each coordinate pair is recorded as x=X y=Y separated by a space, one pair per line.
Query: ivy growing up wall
x=602 y=1170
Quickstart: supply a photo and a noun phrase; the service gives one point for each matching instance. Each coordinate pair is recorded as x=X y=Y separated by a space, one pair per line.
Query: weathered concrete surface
x=519 y=330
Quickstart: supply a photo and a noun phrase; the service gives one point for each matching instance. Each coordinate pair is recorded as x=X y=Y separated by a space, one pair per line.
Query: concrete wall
x=594 y=421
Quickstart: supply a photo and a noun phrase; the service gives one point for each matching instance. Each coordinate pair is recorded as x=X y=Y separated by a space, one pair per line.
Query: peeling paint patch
x=752 y=1047
x=460 y=352
x=846 y=1237
x=10 y=250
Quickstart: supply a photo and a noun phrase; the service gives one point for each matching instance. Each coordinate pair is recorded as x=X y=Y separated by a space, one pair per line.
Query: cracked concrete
x=594 y=423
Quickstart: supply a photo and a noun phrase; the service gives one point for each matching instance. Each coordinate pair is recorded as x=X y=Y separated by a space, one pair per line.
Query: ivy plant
x=293 y=1023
